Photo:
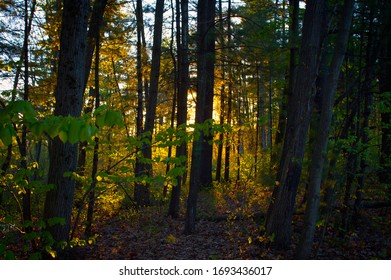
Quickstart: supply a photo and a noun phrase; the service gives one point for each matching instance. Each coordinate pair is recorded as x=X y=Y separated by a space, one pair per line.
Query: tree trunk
x=95 y=159
x=219 y=161
x=93 y=32
x=140 y=93
x=320 y=149
x=201 y=166
x=205 y=76
x=293 y=37
x=227 y=163
x=281 y=207
x=183 y=86
x=141 y=191
x=69 y=101
x=23 y=146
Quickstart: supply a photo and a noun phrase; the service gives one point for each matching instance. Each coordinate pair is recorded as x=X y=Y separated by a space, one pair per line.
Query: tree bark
x=219 y=161
x=93 y=31
x=281 y=207
x=227 y=159
x=293 y=37
x=320 y=149
x=141 y=192
x=69 y=100
x=95 y=158
x=201 y=166
x=183 y=86
x=23 y=146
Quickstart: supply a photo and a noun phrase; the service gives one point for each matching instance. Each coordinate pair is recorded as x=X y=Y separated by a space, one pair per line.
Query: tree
x=201 y=164
x=141 y=190
x=182 y=89
x=69 y=99
x=320 y=147
x=293 y=37
x=93 y=33
x=280 y=211
x=95 y=159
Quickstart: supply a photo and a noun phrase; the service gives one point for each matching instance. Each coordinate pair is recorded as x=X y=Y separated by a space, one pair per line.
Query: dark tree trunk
x=227 y=159
x=23 y=145
x=219 y=161
x=281 y=207
x=201 y=166
x=320 y=149
x=93 y=32
x=95 y=158
x=175 y=21
x=141 y=191
x=183 y=85
x=205 y=75
x=69 y=100
x=140 y=93
x=140 y=105
x=293 y=38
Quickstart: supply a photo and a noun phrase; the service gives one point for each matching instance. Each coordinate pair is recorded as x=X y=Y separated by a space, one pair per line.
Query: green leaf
x=51 y=126
x=4 y=116
x=74 y=131
x=84 y=134
x=63 y=135
x=113 y=118
x=37 y=128
x=100 y=119
x=29 y=110
x=6 y=134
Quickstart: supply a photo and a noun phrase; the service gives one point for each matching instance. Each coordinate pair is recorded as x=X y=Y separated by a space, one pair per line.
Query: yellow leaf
x=99 y=178
x=52 y=253
x=170 y=238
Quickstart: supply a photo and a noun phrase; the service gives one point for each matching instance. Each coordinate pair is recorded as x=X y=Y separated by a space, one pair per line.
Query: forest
x=209 y=129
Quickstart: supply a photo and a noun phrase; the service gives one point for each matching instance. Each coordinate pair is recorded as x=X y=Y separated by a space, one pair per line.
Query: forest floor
x=224 y=231
x=151 y=234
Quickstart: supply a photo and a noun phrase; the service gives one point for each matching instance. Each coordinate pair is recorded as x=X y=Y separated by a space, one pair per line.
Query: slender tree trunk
x=23 y=147
x=93 y=32
x=269 y=111
x=140 y=105
x=281 y=207
x=69 y=99
x=95 y=159
x=141 y=194
x=183 y=86
x=219 y=161
x=227 y=163
x=320 y=149
x=293 y=37
x=140 y=94
x=175 y=21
